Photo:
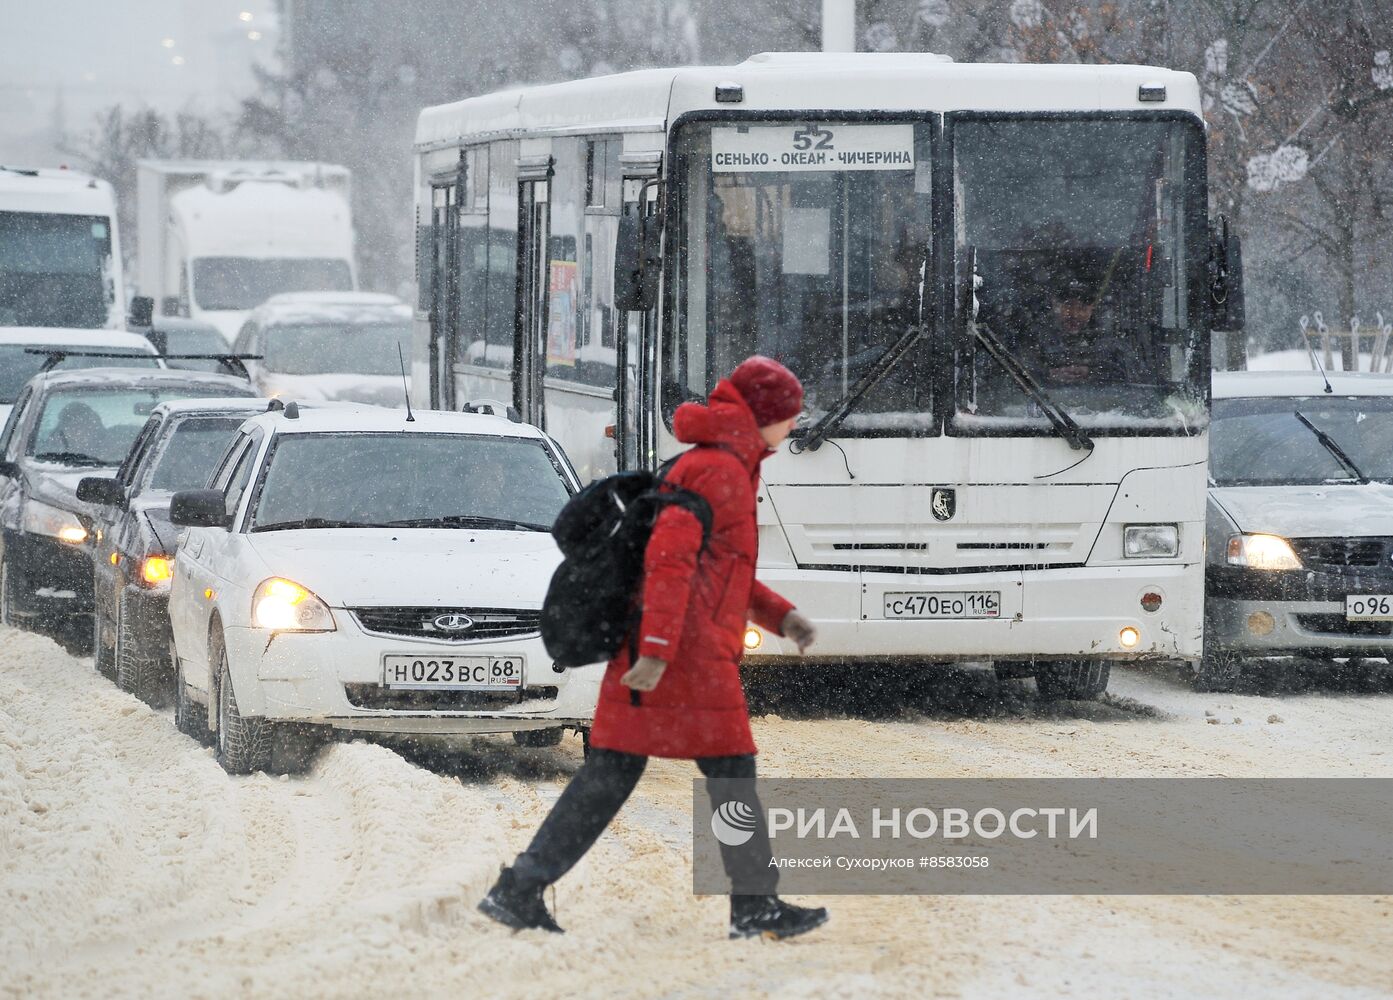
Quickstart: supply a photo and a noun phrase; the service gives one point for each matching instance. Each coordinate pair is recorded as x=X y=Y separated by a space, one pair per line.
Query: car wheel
x=243 y=744
x=1218 y=670
x=1073 y=680
x=190 y=718
x=137 y=669
x=538 y=737
x=102 y=656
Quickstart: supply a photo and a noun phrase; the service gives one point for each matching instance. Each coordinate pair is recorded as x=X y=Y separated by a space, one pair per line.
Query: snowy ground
x=130 y=865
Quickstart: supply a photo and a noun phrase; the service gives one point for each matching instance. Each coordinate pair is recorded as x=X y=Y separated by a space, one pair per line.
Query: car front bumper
x=48 y=579
x=1301 y=613
x=335 y=679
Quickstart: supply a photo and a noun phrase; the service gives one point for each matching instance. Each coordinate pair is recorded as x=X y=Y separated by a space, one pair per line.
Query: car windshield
x=246 y=282
x=1086 y=238
x=347 y=348
x=54 y=270
x=1261 y=441
x=192 y=451
x=18 y=366
x=410 y=480
x=92 y=425
x=807 y=242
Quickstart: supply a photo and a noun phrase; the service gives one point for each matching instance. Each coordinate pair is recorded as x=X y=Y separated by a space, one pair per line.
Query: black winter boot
x=771 y=917
x=516 y=907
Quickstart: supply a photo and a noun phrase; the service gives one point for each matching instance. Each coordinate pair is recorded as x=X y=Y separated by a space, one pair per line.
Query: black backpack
x=591 y=605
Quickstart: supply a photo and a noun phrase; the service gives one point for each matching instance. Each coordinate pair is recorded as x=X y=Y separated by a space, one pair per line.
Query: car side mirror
x=101 y=490
x=8 y=469
x=199 y=509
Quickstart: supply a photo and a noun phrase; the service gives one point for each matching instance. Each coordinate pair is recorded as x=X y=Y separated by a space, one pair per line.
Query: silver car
x=1299 y=559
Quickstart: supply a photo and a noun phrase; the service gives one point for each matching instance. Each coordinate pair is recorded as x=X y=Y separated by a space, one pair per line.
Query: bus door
x=534 y=229
x=444 y=293
x=638 y=344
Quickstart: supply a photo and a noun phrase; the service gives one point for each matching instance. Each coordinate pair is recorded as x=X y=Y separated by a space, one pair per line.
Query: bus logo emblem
x=944 y=502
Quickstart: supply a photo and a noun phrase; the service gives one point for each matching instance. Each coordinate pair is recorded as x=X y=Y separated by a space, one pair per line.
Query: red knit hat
x=772 y=392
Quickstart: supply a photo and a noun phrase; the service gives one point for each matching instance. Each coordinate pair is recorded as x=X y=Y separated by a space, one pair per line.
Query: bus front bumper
x=1065 y=613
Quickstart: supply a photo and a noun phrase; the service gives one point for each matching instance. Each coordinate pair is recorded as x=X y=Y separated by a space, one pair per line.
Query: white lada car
x=351 y=569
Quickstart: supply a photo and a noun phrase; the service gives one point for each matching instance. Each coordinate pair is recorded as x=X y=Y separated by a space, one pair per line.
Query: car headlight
x=64 y=525
x=286 y=606
x=1262 y=552
x=1150 y=541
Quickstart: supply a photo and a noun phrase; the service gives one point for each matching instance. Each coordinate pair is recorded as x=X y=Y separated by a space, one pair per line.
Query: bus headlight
x=42 y=519
x=286 y=606
x=1262 y=552
x=1150 y=541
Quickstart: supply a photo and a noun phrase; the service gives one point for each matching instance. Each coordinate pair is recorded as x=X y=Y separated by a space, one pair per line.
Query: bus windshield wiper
x=1058 y=416
x=468 y=521
x=812 y=438
x=1331 y=446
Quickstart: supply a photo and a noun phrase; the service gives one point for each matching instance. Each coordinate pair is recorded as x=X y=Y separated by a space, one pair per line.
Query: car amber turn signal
x=156 y=570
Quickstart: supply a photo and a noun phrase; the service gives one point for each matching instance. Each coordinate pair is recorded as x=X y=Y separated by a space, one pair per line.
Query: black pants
x=594 y=796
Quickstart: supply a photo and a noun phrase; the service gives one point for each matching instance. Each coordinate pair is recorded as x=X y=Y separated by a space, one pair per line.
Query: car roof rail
x=493 y=408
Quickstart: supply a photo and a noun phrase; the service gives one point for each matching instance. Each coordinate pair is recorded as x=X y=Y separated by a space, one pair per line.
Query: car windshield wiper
x=812 y=438
x=1331 y=446
x=467 y=521
x=69 y=458
x=1058 y=416
x=317 y=522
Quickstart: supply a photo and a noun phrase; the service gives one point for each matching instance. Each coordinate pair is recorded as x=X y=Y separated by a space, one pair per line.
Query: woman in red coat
x=682 y=696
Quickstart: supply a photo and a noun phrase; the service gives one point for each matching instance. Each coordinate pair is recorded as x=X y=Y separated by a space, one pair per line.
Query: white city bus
x=996 y=281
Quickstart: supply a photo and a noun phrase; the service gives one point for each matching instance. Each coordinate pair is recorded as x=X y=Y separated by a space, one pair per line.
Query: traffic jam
x=727 y=403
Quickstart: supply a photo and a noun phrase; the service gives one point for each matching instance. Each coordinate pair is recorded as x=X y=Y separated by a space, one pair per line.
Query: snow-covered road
x=130 y=865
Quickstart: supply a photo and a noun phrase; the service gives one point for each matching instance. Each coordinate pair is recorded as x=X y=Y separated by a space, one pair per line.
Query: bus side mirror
x=1225 y=278
x=170 y=306
x=142 y=311
x=636 y=260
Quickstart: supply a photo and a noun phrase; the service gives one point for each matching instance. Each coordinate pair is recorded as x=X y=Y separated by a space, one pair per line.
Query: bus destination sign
x=812 y=146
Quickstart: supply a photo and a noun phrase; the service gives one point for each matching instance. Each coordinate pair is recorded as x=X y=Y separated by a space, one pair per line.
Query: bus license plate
x=944 y=604
x=458 y=673
x=1369 y=608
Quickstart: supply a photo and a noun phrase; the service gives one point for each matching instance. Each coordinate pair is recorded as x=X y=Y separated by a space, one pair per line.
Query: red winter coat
x=695 y=607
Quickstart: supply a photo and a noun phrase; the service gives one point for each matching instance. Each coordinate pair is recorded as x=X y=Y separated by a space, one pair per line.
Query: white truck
x=218 y=238
x=60 y=256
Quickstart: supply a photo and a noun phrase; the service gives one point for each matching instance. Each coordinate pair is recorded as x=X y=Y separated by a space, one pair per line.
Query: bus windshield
x=807 y=242
x=54 y=270
x=1085 y=243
